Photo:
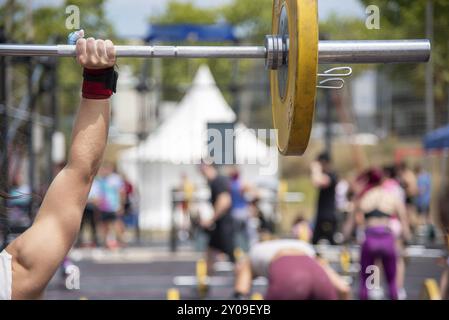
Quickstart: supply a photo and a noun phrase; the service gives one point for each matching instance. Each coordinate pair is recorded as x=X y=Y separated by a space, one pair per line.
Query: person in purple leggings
x=378 y=206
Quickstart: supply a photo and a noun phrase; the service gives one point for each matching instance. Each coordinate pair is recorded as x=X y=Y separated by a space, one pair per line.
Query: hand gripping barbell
x=292 y=54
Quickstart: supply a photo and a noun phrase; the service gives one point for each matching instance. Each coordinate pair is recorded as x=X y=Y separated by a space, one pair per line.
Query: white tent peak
x=203 y=77
x=180 y=142
x=204 y=100
x=182 y=136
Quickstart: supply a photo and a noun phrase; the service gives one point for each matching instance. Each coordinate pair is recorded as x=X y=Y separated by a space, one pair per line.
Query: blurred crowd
x=250 y=220
x=112 y=205
x=382 y=209
x=339 y=200
x=111 y=210
x=338 y=218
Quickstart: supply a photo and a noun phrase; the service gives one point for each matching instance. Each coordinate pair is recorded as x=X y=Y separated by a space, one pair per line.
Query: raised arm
x=37 y=253
x=319 y=178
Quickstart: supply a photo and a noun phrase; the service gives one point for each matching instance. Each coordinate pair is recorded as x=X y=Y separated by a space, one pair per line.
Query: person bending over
x=29 y=262
x=293 y=270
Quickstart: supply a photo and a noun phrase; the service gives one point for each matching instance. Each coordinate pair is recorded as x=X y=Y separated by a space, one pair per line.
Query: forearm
x=343 y=289
x=315 y=177
x=319 y=179
x=401 y=210
x=348 y=225
x=89 y=137
x=218 y=213
x=222 y=206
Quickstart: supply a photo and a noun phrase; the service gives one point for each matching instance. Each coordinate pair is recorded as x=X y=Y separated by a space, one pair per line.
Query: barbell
x=292 y=54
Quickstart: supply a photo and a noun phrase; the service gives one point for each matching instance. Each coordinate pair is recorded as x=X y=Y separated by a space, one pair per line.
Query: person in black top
x=220 y=226
x=326 y=181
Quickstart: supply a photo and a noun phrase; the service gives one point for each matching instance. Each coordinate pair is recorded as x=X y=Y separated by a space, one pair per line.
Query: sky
x=130 y=16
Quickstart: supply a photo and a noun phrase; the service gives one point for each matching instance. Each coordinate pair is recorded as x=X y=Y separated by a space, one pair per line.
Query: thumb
x=74 y=36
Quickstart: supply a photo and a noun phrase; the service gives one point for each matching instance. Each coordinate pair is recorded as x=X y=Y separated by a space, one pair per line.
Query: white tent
x=180 y=143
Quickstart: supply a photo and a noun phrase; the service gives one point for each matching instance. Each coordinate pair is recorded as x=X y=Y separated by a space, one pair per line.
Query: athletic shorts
x=222 y=237
x=5 y=276
x=108 y=216
x=422 y=209
x=298 y=278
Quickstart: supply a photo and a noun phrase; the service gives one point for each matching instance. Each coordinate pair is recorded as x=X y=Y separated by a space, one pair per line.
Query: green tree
x=47 y=24
x=252 y=20
x=186 y=12
x=178 y=74
x=402 y=19
x=254 y=17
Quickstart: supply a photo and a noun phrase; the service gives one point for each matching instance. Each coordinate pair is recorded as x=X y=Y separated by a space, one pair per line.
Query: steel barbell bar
x=366 y=51
x=292 y=55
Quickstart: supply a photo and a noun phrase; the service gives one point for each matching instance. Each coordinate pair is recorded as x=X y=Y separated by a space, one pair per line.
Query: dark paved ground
x=147 y=273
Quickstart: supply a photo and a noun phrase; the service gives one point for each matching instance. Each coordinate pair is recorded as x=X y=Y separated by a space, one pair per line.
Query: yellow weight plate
x=293 y=110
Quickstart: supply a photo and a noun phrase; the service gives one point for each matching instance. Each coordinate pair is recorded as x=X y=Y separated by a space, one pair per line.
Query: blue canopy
x=438 y=139
x=195 y=32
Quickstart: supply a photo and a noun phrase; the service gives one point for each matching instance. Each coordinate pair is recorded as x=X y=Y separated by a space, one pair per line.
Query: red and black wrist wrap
x=99 y=83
